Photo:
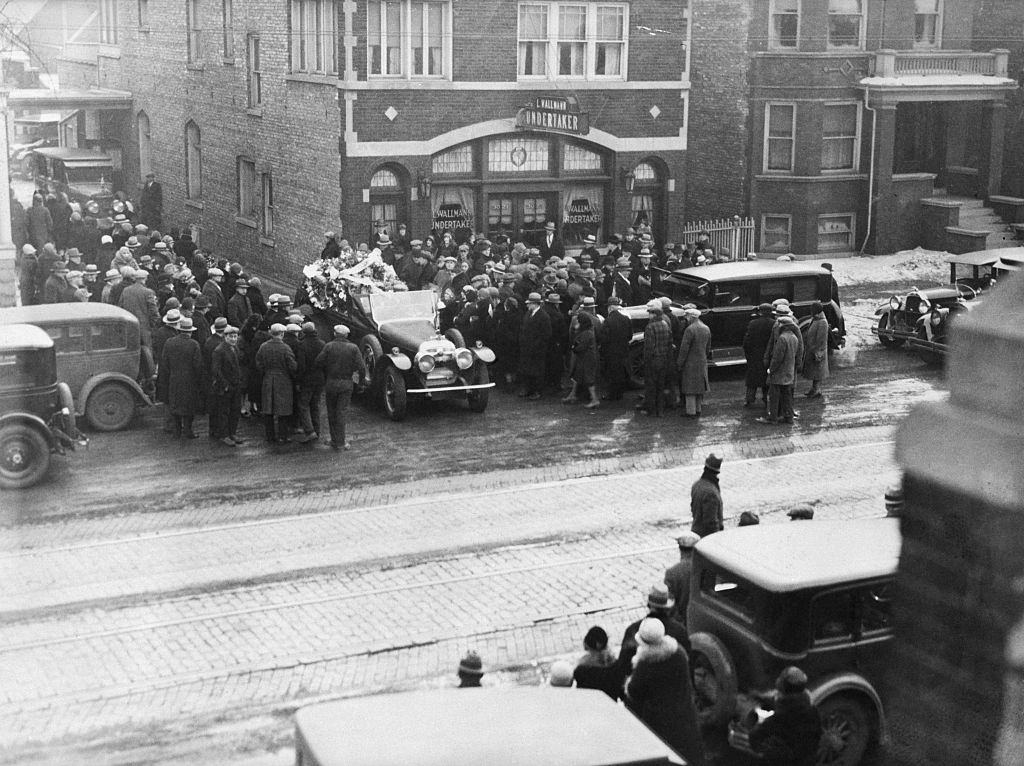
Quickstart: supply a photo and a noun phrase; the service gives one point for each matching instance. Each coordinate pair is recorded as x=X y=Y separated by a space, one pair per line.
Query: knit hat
x=471 y=664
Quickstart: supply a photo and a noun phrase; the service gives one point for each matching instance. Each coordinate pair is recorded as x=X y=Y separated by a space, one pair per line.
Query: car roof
x=63 y=312
x=795 y=555
x=23 y=337
x=72 y=155
x=987 y=257
x=526 y=726
x=719 y=272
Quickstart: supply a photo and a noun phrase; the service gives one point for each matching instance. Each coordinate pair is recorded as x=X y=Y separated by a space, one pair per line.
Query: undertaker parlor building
x=269 y=123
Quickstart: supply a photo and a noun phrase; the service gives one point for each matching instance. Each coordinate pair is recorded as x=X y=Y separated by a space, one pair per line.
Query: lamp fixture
x=628 y=179
x=424 y=182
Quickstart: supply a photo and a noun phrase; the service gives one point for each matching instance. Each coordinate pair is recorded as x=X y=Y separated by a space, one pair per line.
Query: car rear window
x=729 y=590
x=106 y=337
x=734 y=294
x=686 y=290
x=805 y=290
x=25 y=368
x=774 y=288
x=67 y=339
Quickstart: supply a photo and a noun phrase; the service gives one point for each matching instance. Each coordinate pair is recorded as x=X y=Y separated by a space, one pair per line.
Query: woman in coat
x=659 y=691
x=815 y=361
x=277 y=363
x=693 y=363
x=584 y=362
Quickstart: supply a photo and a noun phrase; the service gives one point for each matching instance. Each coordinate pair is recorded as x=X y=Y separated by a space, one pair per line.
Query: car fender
x=882 y=310
x=827 y=686
x=638 y=337
x=34 y=421
x=401 y=361
x=483 y=353
x=92 y=383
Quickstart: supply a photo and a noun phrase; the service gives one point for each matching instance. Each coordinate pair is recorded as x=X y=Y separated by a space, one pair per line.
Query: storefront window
x=457 y=160
x=582 y=213
x=452 y=208
x=518 y=155
x=579 y=158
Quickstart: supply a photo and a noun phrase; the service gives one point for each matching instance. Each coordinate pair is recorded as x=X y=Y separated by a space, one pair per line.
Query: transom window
x=457 y=160
x=312 y=37
x=846 y=23
x=572 y=40
x=385 y=179
x=645 y=172
x=784 y=26
x=840 y=137
x=408 y=38
x=927 y=23
x=779 y=136
x=579 y=158
x=836 y=232
x=515 y=155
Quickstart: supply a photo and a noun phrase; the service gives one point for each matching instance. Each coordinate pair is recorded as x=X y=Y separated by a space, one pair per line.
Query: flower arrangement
x=331 y=284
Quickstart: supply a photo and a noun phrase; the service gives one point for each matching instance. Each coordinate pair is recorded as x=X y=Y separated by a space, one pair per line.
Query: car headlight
x=894 y=303
x=464 y=358
x=924 y=307
x=426 y=363
x=936 y=318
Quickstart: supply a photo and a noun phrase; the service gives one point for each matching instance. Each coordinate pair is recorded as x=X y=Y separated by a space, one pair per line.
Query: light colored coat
x=815 y=359
x=782 y=368
x=693 y=358
x=277 y=362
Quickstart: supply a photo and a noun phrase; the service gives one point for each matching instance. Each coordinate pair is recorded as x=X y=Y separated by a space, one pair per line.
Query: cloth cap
x=106 y=239
x=688 y=539
x=651 y=631
x=28 y=249
x=295 y=328
x=713 y=463
x=654 y=306
x=659 y=597
x=111 y=274
x=277 y=329
x=471 y=664
x=695 y=313
x=215 y=272
x=161 y=246
x=560 y=674
x=141 y=274
x=342 y=330
x=231 y=330
x=309 y=328
x=141 y=228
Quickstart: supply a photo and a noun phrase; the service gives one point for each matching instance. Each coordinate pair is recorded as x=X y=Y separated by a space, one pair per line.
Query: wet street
x=168 y=600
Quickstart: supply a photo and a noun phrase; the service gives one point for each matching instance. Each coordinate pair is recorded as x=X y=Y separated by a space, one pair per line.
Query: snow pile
x=920 y=267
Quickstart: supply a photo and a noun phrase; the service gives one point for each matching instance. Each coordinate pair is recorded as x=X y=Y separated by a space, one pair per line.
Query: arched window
x=193 y=161
x=647 y=200
x=145 y=146
x=385 y=179
x=645 y=173
x=388 y=198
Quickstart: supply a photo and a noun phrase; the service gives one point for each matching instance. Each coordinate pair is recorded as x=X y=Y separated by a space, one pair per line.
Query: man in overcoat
x=226 y=388
x=617 y=333
x=559 y=340
x=277 y=363
x=309 y=382
x=180 y=376
x=755 y=343
x=341 y=365
x=782 y=373
x=534 y=339
x=706 y=499
x=692 y=363
x=151 y=202
x=215 y=293
x=815 y=361
x=657 y=352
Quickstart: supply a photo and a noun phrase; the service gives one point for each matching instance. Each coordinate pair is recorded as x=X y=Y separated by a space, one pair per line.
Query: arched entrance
x=647 y=198
x=388 y=195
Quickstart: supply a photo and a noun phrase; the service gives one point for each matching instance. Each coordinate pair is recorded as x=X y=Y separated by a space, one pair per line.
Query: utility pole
x=8 y=271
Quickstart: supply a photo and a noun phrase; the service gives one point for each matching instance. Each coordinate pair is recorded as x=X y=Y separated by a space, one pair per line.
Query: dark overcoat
x=534 y=339
x=792 y=734
x=755 y=343
x=584 y=350
x=180 y=374
x=277 y=363
x=706 y=506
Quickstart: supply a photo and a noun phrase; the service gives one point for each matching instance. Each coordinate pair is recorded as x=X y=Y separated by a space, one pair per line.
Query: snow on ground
x=918 y=266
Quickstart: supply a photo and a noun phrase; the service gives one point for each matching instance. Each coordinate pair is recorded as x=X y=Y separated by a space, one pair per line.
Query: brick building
x=271 y=122
x=804 y=110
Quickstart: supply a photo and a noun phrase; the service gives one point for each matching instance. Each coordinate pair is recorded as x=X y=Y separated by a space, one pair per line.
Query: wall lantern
x=423 y=182
x=628 y=179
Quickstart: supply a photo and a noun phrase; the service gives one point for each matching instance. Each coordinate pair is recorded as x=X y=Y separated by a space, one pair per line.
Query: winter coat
x=225 y=369
x=693 y=358
x=659 y=693
x=218 y=304
x=584 y=350
x=782 y=369
x=618 y=332
x=677 y=580
x=706 y=505
x=534 y=339
x=755 y=343
x=180 y=374
x=776 y=329
x=277 y=363
x=815 y=360
x=40 y=224
x=239 y=309
x=141 y=301
x=791 y=735
x=309 y=375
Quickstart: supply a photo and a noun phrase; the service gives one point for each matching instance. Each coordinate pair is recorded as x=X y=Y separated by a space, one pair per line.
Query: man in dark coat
x=534 y=339
x=56 y=284
x=215 y=293
x=657 y=352
x=27 y=266
x=141 y=301
x=180 y=376
x=151 y=202
x=39 y=223
x=508 y=321
x=559 y=343
x=706 y=499
x=755 y=343
x=239 y=308
x=790 y=736
x=618 y=332
x=551 y=245
x=277 y=363
x=621 y=284
x=785 y=353
x=677 y=576
x=659 y=607
x=226 y=388
x=309 y=381
x=342 y=367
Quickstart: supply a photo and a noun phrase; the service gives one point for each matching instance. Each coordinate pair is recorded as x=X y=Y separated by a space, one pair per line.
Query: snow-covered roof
x=928 y=81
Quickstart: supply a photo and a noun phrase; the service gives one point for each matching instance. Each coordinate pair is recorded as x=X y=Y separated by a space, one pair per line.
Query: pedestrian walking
x=226 y=389
x=782 y=373
x=815 y=361
x=277 y=363
x=706 y=499
x=755 y=343
x=781 y=311
x=534 y=339
x=179 y=377
x=657 y=350
x=677 y=576
x=343 y=368
x=790 y=736
x=692 y=363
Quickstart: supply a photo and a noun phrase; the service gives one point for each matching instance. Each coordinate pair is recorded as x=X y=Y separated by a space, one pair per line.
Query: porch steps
x=975 y=216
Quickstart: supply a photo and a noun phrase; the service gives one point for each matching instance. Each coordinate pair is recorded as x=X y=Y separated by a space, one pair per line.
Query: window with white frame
x=776 y=233
x=193 y=162
x=784 y=29
x=927 y=23
x=836 y=232
x=457 y=160
x=194 y=31
x=267 y=189
x=108 y=22
x=846 y=23
x=226 y=22
x=572 y=40
x=312 y=37
x=408 y=38
x=579 y=158
x=246 y=189
x=254 y=70
x=840 y=135
x=779 y=137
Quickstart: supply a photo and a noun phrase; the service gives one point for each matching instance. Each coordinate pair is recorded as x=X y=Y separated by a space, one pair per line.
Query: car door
x=733 y=305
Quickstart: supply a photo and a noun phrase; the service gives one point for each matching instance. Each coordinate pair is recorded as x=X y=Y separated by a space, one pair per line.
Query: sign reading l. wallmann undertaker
x=556 y=114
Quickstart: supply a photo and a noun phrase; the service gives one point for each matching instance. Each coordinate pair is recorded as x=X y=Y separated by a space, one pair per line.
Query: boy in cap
x=342 y=367
x=226 y=388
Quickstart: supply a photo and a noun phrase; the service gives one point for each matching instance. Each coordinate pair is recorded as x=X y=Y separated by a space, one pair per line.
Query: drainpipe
x=871 y=169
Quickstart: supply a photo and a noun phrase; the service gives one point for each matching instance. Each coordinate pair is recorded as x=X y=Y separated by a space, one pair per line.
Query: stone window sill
x=254 y=111
x=195 y=204
x=243 y=221
x=268 y=242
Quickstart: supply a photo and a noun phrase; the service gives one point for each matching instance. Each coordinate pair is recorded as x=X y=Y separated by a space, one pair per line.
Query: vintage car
x=815 y=594
x=37 y=413
x=31 y=131
x=98 y=356
x=982 y=268
x=728 y=295
x=406 y=354
x=922 y=318
x=494 y=726
x=83 y=174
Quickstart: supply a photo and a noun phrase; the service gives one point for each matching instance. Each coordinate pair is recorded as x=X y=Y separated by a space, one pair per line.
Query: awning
x=68 y=99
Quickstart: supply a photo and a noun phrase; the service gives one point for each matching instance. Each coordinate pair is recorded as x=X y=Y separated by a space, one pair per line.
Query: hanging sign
x=554 y=114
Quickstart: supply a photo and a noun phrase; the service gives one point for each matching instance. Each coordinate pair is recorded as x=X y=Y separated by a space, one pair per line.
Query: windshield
x=93 y=174
x=387 y=307
x=682 y=289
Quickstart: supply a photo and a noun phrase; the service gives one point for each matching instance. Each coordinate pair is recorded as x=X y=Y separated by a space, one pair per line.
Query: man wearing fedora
x=659 y=607
x=239 y=308
x=617 y=333
x=151 y=202
x=559 y=343
x=657 y=353
x=551 y=245
x=534 y=339
x=782 y=370
x=180 y=375
x=755 y=343
x=706 y=499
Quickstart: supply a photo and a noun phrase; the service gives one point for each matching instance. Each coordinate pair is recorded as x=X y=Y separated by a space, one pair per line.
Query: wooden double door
x=521 y=215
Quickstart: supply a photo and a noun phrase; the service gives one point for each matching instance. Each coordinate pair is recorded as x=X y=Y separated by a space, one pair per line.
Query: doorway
x=521 y=216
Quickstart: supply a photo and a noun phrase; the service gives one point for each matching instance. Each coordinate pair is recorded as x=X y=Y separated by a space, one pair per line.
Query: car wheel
x=714 y=681
x=110 y=407
x=846 y=731
x=477 y=398
x=395 y=398
x=885 y=325
x=926 y=355
x=372 y=353
x=635 y=367
x=455 y=336
x=24 y=456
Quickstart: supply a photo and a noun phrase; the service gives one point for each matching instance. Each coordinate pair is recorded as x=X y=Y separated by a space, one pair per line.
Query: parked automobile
x=31 y=131
x=37 y=413
x=406 y=355
x=815 y=594
x=982 y=268
x=728 y=295
x=83 y=174
x=98 y=356
x=922 y=318
x=494 y=726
